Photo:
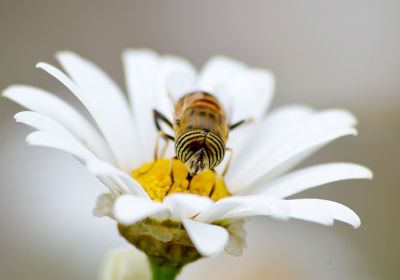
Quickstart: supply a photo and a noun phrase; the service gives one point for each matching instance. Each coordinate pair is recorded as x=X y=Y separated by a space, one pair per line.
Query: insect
x=201 y=131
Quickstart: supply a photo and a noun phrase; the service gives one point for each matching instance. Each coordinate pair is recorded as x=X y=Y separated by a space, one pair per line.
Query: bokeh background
x=342 y=53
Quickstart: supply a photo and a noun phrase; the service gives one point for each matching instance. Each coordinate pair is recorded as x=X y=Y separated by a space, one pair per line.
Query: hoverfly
x=201 y=131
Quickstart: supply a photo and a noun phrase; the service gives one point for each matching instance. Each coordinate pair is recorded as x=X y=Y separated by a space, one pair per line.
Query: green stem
x=163 y=271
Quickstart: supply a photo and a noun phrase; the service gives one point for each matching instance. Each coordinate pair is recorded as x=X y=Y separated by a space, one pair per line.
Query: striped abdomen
x=199 y=150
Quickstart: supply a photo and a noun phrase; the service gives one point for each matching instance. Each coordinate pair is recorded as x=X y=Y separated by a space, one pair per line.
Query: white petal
x=43 y=102
x=253 y=94
x=303 y=210
x=309 y=209
x=129 y=184
x=288 y=165
x=208 y=239
x=129 y=209
x=113 y=120
x=237 y=141
x=107 y=98
x=238 y=87
x=60 y=142
x=184 y=206
x=146 y=78
x=220 y=71
x=53 y=130
x=104 y=205
x=313 y=210
x=258 y=206
x=315 y=131
x=42 y=122
x=219 y=209
x=53 y=135
x=237 y=238
x=172 y=68
x=65 y=142
x=340 y=212
x=114 y=184
x=141 y=71
x=310 y=177
x=277 y=123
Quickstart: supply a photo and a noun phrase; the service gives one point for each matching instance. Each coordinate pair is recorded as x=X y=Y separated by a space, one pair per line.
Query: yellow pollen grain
x=167 y=176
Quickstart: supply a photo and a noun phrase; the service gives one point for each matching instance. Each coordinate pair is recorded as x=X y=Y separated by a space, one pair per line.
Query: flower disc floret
x=162 y=177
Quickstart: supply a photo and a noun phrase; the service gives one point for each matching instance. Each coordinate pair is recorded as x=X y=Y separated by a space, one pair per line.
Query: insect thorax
x=203 y=111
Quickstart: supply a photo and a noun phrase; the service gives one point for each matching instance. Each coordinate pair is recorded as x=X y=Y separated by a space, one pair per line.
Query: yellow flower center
x=167 y=176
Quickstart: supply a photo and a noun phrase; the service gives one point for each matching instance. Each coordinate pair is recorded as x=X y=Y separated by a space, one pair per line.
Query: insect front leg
x=240 y=123
x=166 y=138
x=158 y=118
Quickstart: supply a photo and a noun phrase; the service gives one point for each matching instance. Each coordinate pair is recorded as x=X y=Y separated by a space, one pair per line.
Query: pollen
x=167 y=176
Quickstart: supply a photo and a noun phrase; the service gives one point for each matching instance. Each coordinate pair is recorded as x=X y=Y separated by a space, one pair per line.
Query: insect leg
x=158 y=117
x=240 y=123
x=164 y=150
x=228 y=162
x=214 y=186
x=166 y=138
x=171 y=174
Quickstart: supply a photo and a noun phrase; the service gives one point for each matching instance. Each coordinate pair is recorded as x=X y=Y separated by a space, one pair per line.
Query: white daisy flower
x=171 y=216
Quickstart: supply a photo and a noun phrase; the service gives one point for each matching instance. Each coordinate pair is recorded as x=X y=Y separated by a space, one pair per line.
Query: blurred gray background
x=342 y=53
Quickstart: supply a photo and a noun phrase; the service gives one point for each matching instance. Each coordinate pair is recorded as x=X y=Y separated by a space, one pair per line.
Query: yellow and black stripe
x=194 y=140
